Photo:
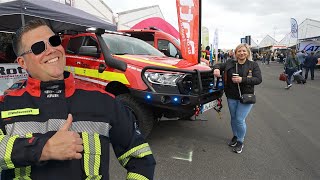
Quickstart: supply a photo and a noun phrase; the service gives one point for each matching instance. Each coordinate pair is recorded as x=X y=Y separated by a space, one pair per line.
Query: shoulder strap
x=238 y=83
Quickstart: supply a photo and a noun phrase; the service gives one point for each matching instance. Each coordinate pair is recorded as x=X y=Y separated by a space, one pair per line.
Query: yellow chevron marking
x=145 y=61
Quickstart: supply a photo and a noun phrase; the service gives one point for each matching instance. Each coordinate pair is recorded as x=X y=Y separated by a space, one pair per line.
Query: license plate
x=208 y=106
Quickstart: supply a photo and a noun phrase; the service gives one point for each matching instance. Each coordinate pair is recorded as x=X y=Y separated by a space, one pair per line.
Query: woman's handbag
x=283 y=77
x=248 y=98
x=245 y=98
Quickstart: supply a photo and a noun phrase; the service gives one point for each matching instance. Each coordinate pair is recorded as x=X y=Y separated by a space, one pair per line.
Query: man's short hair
x=30 y=25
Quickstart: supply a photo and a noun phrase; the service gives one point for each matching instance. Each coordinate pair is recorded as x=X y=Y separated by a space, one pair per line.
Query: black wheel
x=143 y=115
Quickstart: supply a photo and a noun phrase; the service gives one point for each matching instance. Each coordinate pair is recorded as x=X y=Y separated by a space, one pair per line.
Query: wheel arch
x=116 y=88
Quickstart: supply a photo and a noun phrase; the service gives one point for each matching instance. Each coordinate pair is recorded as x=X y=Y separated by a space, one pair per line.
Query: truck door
x=72 y=52
x=83 y=57
x=90 y=54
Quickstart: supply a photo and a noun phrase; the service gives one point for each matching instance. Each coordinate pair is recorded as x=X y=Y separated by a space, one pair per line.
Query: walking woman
x=240 y=75
x=291 y=65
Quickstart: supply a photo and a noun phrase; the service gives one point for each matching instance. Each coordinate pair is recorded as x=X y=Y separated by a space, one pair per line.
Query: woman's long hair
x=247 y=48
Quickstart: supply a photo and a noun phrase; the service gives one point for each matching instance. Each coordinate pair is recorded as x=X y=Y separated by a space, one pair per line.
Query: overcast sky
x=236 y=18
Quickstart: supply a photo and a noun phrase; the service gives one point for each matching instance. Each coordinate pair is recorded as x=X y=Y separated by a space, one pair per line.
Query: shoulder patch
x=19 y=112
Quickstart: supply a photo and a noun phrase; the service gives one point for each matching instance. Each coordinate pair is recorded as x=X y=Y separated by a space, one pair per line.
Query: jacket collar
x=34 y=86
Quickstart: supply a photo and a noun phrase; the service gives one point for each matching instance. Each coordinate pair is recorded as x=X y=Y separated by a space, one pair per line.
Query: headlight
x=162 y=78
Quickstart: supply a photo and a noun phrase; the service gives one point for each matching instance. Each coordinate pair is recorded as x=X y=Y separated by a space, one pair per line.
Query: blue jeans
x=238 y=113
x=289 y=72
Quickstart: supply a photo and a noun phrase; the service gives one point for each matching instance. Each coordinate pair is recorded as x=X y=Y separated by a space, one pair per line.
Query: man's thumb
x=67 y=125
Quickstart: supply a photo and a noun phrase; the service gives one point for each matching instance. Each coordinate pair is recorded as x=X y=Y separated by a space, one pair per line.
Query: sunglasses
x=39 y=47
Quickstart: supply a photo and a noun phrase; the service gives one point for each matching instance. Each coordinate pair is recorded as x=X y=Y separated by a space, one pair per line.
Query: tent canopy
x=158 y=23
x=59 y=16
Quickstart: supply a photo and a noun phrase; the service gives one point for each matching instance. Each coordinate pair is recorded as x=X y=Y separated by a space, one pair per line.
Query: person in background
x=281 y=58
x=264 y=55
x=291 y=65
x=56 y=128
x=247 y=76
x=268 y=57
x=310 y=64
x=225 y=57
x=231 y=54
x=207 y=57
x=301 y=56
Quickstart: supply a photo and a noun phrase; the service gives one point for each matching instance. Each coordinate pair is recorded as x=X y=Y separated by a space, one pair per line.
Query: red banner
x=188 y=20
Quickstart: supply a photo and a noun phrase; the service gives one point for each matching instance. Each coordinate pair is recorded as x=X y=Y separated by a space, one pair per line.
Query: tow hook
x=197 y=110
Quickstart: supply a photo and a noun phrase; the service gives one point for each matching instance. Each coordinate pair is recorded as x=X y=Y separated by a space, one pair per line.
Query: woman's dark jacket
x=249 y=71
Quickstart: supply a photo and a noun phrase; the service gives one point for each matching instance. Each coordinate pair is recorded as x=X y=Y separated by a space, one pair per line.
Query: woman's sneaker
x=238 y=147
x=233 y=141
x=288 y=86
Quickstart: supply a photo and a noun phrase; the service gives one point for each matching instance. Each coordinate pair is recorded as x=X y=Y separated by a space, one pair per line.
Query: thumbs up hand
x=64 y=145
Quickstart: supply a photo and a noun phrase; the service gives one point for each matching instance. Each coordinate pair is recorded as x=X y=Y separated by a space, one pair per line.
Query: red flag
x=188 y=20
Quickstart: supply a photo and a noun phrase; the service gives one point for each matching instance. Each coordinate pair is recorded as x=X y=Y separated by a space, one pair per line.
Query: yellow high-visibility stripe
x=1 y=137
x=1 y=132
x=27 y=170
x=7 y=156
x=135 y=176
x=97 y=154
x=105 y=75
x=114 y=76
x=146 y=61
x=125 y=155
x=19 y=112
x=92 y=153
x=125 y=161
x=136 y=152
x=86 y=149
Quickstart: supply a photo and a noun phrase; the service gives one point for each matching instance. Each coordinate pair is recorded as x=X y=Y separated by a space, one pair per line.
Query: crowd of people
x=297 y=65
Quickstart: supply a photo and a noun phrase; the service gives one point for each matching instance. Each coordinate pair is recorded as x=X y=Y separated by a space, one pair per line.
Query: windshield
x=120 y=45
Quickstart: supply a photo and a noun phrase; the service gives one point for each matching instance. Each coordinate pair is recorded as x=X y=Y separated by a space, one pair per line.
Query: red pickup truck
x=148 y=83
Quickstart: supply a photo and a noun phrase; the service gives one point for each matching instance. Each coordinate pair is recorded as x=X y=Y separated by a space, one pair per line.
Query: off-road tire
x=144 y=116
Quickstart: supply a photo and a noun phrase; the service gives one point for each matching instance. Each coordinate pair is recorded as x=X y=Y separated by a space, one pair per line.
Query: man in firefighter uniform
x=59 y=128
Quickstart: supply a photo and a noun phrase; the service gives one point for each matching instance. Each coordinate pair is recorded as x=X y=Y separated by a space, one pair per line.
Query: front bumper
x=196 y=88
x=175 y=102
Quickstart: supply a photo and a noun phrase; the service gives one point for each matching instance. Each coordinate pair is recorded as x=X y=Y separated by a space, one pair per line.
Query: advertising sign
x=9 y=74
x=188 y=20
x=310 y=46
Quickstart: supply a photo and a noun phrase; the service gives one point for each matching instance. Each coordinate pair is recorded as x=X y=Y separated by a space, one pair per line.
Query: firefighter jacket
x=30 y=116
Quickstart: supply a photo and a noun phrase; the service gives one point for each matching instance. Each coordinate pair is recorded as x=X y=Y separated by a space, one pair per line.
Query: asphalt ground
x=282 y=141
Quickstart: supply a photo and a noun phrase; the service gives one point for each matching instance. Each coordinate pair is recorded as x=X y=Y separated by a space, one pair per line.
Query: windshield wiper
x=121 y=53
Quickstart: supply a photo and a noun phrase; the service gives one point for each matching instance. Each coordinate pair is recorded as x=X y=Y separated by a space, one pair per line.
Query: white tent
x=97 y=8
x=267 y=41
x=127 y=19
x=308 y=29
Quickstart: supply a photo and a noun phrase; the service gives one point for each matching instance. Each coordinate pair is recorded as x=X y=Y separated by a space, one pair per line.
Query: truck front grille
x=197 y=83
